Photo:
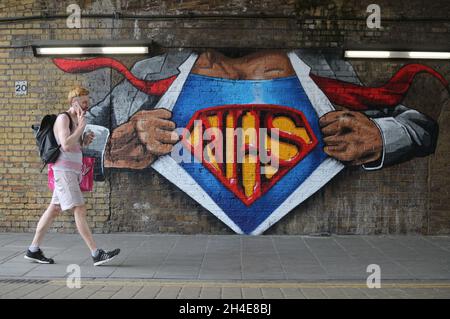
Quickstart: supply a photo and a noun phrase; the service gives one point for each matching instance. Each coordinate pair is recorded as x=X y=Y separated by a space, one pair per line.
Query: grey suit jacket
x=406 y=133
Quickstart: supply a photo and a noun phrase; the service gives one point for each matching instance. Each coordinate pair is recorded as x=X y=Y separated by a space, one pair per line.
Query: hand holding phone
x=78 y=109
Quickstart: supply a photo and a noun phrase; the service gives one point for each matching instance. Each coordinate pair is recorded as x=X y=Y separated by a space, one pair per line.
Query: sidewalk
x=173 y=266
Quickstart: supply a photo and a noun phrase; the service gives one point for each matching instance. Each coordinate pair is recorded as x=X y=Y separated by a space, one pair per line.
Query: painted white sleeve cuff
x=395 y=141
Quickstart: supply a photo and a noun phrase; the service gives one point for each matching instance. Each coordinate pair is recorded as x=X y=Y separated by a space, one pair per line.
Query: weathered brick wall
x=407 y=198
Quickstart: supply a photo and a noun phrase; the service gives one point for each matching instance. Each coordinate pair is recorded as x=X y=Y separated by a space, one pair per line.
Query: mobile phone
x=77 y=104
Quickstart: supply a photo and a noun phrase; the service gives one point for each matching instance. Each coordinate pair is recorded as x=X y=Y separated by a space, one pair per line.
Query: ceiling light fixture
x=396 y=54
x=73 y=48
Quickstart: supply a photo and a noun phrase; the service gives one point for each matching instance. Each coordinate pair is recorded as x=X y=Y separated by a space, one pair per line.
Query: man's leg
x=44 y=223
x=83 y=227
x=99 y=255
x=34 y=253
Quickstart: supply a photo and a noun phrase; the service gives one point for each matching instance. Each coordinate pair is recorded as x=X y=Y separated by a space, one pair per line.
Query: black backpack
x=45 y=139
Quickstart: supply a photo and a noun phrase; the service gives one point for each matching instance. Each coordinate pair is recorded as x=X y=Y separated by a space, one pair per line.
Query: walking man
x=68 y=129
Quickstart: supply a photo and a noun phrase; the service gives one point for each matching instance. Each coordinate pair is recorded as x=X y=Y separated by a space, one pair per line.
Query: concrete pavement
x=209 y=266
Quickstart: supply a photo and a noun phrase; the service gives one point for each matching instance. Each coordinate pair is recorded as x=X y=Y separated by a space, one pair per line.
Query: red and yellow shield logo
x=235 y=142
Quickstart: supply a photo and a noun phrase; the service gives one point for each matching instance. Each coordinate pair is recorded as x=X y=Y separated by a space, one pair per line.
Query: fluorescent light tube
x=124 y=50
x=367 y=54
x=56 y=51
x=90 y=50
x=396 y=54
x=429 y=55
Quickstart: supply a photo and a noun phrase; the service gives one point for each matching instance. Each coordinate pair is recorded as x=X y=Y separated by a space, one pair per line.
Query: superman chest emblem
x=250 y=147
x=248 y=181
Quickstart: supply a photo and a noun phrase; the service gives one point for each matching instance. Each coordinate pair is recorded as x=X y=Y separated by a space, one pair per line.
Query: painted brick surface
x=411 y=197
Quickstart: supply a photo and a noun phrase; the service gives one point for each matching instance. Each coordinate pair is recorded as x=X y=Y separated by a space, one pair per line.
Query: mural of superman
x=328 y=119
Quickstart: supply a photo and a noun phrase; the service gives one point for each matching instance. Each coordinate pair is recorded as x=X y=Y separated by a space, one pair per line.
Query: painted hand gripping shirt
x=239 y=194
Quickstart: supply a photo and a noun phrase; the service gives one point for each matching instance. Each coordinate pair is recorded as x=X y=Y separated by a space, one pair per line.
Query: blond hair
x=76 y=92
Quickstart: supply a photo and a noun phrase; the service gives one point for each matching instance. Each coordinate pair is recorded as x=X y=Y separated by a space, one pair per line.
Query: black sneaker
x=38 y=257
x=105 y=256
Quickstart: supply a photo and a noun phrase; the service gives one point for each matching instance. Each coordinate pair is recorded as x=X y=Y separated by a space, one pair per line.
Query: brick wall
x=407 y=198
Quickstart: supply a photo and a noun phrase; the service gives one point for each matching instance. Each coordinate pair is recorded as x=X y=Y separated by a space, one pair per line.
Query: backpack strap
x=70 y=119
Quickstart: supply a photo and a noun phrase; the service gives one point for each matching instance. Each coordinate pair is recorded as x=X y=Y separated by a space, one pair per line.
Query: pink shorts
x=67 y=192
